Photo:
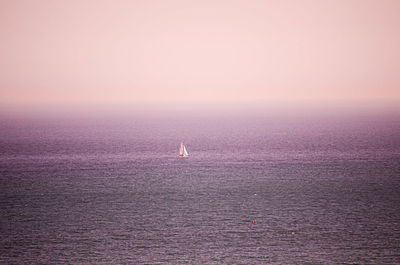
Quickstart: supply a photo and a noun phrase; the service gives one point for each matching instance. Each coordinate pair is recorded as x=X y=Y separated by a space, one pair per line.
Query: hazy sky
x=207 y=51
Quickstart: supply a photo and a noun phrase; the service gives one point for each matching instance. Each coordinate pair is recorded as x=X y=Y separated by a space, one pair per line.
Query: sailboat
x=182 y=151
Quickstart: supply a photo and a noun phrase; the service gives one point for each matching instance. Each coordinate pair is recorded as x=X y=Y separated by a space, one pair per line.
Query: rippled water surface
x=112 y=191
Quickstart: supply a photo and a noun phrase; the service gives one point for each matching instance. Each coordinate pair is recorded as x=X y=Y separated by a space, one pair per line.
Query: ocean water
x=111 y=190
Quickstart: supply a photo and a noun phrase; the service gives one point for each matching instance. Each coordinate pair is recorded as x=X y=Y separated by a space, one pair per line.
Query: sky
x=199 y=51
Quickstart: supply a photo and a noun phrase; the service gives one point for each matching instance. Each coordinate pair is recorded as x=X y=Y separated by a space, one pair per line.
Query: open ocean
x=111 y=191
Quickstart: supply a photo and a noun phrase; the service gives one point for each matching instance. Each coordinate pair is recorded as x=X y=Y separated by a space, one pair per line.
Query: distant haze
x=199 y=51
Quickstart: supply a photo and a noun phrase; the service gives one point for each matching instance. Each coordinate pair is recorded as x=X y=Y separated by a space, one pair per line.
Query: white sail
x=182 y=151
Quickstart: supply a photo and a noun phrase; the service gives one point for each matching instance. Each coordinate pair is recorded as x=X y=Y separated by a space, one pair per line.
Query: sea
x=256 y=189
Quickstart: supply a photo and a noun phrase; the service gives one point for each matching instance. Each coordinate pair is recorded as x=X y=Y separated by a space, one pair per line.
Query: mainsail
x=182 y=151
x=185 y=153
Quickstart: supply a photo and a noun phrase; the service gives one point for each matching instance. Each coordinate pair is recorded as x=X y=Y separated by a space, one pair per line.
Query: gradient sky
x=205 y=51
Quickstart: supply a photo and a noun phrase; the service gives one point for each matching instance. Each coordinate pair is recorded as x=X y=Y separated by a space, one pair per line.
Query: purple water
x=103 y=191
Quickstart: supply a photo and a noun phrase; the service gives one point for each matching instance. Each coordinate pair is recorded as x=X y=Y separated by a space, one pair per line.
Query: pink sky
x=199 y=51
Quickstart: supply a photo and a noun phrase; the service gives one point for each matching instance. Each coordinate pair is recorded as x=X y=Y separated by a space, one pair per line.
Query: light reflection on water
x=114 y=192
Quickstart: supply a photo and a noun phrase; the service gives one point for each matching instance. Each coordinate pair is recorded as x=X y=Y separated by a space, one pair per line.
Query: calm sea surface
x=111 y=191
